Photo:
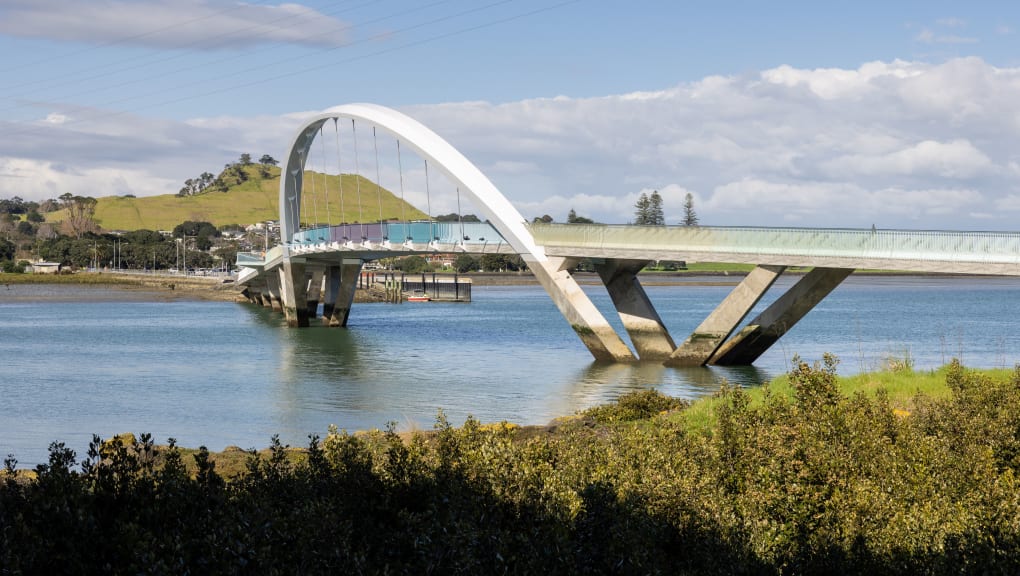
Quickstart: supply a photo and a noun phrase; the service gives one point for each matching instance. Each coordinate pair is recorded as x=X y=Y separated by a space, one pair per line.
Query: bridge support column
x=273 y=288
x=706 y=339
x=762 y=332
x=314 y=292
x=648 y=334
x=347 y=285
x=595 y=332
x=330 y=290
x=295 y=293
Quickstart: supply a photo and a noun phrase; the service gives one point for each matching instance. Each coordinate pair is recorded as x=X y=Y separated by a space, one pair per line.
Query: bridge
x=324 y=262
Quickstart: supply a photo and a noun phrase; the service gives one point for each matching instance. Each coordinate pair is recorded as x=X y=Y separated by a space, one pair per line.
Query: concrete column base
x=595 y=332
x=330 y=291
x=345 y=296
x=273 y=287
x=647 y=333
x=314 y=292
x=762 y=332
x=295 y=293
x=706 y=339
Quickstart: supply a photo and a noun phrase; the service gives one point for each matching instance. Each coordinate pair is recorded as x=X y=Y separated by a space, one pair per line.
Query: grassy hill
x=254 y=200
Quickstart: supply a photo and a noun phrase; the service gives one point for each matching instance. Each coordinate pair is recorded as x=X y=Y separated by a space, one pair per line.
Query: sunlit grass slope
x=254 y=200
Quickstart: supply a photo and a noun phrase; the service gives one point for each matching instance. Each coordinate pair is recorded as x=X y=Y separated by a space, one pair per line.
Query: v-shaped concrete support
x=762 y=332
x=595 y=332
x=649 y=336
x=699 y=347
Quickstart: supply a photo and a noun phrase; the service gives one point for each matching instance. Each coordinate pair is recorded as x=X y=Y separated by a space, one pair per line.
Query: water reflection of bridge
x=325 y=262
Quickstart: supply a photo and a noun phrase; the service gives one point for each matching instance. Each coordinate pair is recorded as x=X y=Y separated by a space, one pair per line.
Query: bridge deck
x=995 y=253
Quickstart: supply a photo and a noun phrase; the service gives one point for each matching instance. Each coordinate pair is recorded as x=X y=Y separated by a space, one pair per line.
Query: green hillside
x=254 y=200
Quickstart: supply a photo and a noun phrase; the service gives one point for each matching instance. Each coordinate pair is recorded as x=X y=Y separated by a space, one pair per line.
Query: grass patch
x=902 y=387
x=77 y=278
x=254 y=200
x=696 y=267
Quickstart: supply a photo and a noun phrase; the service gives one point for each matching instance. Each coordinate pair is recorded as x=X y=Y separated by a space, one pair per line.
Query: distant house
x=44 y=268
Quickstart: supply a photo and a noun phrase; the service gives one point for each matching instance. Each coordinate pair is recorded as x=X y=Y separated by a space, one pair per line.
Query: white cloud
x=928 y=36
x=54 y=179
x=896 y=144
x=956 y=159
x=198 y=24
x=952 y=22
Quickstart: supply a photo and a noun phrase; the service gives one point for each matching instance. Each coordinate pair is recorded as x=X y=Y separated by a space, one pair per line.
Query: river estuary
x=81 y=360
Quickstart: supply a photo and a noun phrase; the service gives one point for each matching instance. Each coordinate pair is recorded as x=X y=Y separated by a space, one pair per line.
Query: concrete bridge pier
x=595 y=332
x=706 y=339
x=294 y=291
x=342 y=282
x=314 y=292
x=273 y=288
x=331 y=287
x=762 y=332
x=647 y=332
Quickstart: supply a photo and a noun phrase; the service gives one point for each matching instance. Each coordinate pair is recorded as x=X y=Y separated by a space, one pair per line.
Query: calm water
x=77 y=361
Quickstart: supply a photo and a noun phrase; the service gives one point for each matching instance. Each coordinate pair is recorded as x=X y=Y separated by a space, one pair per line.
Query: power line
x=313 y=68
x=118 y=41
x=65 y=81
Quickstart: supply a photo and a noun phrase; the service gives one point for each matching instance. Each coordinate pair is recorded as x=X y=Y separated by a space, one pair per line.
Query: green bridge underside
x=996 y=253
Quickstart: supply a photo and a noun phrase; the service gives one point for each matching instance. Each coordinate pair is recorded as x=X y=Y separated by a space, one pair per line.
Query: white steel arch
x=491 y=202
x=586 y=320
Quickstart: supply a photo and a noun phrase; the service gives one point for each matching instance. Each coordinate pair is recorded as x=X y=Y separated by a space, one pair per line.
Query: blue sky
x=901 y=114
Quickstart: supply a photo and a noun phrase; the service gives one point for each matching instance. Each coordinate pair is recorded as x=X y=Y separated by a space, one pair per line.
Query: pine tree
x=573 y=218
x=656 y=217
x=690 y=216
x=641 y=209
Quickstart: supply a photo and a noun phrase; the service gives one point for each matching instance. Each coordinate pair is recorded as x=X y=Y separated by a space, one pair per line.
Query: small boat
x=418 y=296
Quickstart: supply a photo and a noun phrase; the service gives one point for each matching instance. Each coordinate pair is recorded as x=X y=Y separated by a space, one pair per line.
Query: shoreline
x=219 y=289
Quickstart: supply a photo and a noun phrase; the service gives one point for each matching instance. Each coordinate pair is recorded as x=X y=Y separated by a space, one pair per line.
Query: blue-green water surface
x=81 y=360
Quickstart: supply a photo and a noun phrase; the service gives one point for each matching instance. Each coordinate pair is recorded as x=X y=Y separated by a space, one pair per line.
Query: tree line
x=196 y=243
x=233 y=173
x=648 y=211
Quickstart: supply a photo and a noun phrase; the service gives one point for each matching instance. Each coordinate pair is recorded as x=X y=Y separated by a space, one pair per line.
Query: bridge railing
x=419 y=232
x=925 y=245
x=251 y=258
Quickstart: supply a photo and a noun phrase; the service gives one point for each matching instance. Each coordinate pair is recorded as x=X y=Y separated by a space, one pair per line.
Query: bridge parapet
x=418 y=232
x=757 y=245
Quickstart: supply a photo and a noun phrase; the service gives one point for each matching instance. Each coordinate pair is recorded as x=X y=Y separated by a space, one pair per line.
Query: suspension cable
x=315 y=203
x=357 y=177
x=400 y=169
x=303 y=204
x=292 y=206
x=460 y=217
x=325 y=180
x=340 y=177
x=378 y=181
x=428 y=202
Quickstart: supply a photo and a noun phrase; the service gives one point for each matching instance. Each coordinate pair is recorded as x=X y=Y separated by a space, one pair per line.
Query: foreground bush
x=820 y=483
